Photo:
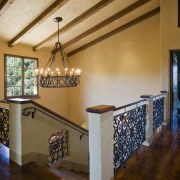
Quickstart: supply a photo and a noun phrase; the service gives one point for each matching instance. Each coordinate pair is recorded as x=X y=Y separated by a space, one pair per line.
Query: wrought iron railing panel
x=129 y=134
x=4 y=126
x=158 y=112
x=58 y=146
x=59 y=81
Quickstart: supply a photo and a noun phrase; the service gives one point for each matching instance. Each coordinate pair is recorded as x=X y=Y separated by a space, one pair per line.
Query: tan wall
x=55 y=99
x=170 y=34
x=118 y=70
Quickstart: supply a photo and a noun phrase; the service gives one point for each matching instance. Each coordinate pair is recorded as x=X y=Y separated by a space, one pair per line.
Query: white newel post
x=149 y=120
x=101 y=142
x=165 y=95
x=15 y=129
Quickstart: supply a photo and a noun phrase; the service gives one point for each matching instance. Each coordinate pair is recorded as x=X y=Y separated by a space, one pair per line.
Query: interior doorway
x=175 y=86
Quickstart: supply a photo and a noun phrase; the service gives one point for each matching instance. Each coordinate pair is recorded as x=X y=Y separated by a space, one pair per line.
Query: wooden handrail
x=58 y=115
x=127 y=105
x=158 y=95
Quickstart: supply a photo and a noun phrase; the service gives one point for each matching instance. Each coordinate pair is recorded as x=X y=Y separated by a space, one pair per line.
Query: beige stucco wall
x=118 y=70
x=54 y=99
x=170 y=34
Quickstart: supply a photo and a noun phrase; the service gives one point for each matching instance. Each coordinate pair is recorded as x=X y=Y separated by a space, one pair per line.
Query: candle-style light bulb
x=41 y=72
x=79 y=72
x=72 y=71
x=65 y=71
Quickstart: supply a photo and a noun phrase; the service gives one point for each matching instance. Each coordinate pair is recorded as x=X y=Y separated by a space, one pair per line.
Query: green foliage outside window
x=20 y=80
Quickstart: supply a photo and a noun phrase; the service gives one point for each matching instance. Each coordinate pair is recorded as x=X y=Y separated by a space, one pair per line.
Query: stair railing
x=4 y=124
x=129 y=131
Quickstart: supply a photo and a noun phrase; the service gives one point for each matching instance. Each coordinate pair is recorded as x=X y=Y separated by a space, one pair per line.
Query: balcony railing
x=130 y=126
x=4 y=125
x=158 y=111
x=129 y=131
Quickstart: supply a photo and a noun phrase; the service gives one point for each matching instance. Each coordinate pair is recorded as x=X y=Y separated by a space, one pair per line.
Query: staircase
x=33 y=171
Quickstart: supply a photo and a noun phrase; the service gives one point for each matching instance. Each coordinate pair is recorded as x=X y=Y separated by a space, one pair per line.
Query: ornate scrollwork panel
x=129 y=134
x=59 y=81
x=58 y=146
x=158 y=112
x=4 y=126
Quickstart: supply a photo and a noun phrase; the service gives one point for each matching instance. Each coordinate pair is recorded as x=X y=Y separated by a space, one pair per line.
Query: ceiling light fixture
x=55 y=77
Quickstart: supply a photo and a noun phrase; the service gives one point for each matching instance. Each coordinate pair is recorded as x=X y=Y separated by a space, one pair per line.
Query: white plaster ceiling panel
x=68 y=12
x=106 y=12
x=19 y=15
x=110 y=27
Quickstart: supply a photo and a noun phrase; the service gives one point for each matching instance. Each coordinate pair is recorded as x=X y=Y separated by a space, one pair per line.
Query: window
x=19 y=76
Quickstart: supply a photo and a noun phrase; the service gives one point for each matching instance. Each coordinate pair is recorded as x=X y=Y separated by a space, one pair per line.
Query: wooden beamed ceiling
x=74 y=22
x=4 y=4
x=42 y=17
x=93 y=9
x=106 y=22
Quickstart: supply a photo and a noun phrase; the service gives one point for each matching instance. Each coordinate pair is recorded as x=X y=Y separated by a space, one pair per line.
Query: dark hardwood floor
x=31 y=171
x=159 y=161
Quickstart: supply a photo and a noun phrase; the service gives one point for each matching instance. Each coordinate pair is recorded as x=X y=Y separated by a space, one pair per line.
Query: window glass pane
x=9 y=61
x=10 y=81
x=10 y=71
x=33 y=82
x=10 y=91
x=18 y=81
x=18 y=71
x=28 y=72
x=17 y=62
x=30 y=63
x=18 y=91
x=27 y=81
x=34 y=90
x=27 y=90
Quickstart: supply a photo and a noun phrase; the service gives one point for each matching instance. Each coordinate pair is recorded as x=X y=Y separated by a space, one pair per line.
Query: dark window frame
x=5 y=78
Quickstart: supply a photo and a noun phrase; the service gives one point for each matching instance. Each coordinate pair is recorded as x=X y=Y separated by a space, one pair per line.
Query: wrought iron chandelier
x=55 y=77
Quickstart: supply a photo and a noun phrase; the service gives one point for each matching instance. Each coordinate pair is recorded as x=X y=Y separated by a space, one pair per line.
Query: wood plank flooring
x=160 y=161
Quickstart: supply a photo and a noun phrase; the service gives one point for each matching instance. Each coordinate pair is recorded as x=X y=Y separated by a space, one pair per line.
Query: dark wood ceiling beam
x=115 y=31
x=106 y=22
x=4 y=5
x=74 y=22
x=42 y=17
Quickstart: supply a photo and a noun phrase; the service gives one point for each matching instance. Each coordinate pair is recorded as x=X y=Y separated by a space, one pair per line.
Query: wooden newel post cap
x=146 y=96
x=100 y=109
x=164 y=92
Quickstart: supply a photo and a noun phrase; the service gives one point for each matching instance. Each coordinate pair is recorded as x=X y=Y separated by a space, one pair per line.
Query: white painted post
x=101 y=142
x=149 y=120
x=165 y=95
x=15 y=129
